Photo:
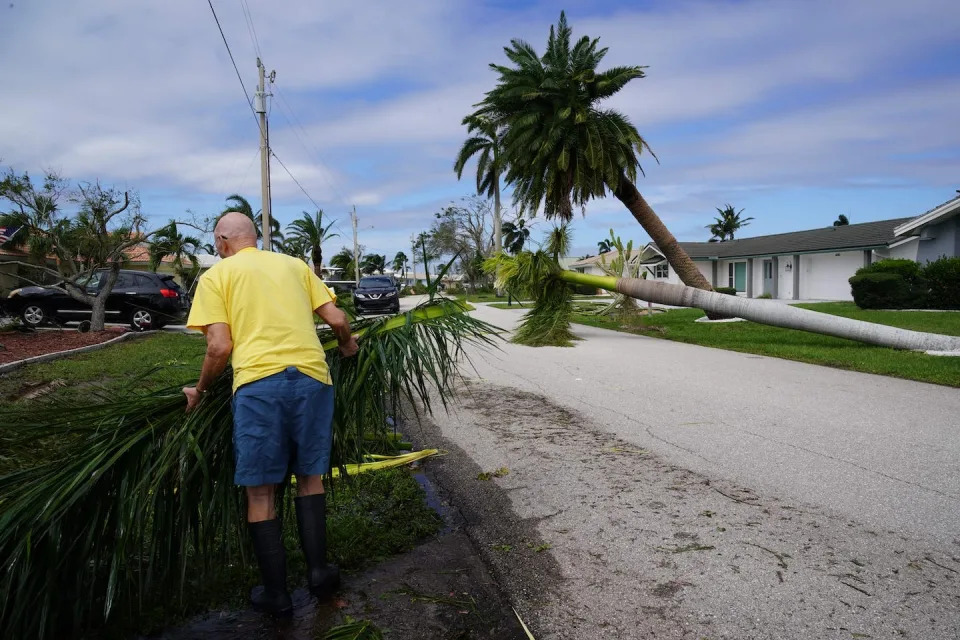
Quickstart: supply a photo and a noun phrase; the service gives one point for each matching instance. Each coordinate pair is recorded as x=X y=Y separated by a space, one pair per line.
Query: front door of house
x=768 y=285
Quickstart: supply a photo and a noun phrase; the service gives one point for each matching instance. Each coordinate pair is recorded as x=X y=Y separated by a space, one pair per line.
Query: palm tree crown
x=561 y=148
x=400 y=263
x=310 y=233
x=170 y=242
x=727 y=223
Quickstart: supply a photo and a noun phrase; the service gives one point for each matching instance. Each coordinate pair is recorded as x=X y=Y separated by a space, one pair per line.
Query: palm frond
x=117 y=503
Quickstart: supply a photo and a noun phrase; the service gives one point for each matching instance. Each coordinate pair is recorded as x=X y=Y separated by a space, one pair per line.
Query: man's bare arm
x=337 y=319
x=219 y=347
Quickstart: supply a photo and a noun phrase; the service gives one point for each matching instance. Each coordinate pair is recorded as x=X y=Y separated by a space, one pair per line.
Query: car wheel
x=34 y=315
x=142 y=320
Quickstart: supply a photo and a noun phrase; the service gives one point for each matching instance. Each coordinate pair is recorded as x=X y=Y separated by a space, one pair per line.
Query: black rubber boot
x=270 y=597
x=323 y=578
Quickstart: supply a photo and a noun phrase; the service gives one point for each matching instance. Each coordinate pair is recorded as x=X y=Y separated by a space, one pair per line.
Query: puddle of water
x=433 y=499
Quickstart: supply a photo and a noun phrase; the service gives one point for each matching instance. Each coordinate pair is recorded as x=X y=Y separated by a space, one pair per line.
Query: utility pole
x=260 y=106
x=356 y=258
x=413 y=258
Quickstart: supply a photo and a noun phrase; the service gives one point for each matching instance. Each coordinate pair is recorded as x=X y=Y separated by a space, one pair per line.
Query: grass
x=749 y=337
x=370 y=517
x=158 y=361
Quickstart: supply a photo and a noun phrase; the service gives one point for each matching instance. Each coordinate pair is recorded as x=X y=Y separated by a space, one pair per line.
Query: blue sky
x=794 y=111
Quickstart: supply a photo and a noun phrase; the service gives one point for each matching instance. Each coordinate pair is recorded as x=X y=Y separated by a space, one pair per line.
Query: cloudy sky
x=795 y=111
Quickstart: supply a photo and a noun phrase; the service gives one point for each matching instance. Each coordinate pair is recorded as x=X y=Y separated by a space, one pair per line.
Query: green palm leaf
x=122 y=502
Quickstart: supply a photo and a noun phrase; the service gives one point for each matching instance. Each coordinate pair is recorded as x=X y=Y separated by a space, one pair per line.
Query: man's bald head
x=234 y=231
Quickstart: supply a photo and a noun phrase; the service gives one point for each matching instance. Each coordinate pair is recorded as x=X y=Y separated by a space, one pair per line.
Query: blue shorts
x=281 y=423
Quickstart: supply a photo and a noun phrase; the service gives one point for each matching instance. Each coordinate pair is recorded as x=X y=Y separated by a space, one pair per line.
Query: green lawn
x=143 y=364
x=749 y=337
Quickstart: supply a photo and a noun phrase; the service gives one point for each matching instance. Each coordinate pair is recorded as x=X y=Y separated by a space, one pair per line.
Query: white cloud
x=740 y=97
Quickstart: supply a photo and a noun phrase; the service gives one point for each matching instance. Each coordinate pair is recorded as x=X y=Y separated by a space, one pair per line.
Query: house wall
x=824 y=276
x=907 y=250
x=939 y=240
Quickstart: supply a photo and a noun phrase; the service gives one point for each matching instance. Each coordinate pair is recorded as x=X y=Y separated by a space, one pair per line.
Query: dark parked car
x=376 y=294
x=144 y=299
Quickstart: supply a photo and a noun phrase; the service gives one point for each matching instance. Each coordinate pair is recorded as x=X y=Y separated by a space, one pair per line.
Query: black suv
x=376 y=294
x=145 y=299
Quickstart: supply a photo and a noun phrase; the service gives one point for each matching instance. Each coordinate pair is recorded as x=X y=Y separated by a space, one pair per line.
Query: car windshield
x=376 y=282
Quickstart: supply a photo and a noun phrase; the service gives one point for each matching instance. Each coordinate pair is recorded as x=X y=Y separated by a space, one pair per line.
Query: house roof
x=846 y=237
x=939 y=213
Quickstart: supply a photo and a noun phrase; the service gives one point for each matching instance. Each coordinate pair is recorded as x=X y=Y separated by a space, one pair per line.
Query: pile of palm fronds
x=531 y=274
x=120 y=504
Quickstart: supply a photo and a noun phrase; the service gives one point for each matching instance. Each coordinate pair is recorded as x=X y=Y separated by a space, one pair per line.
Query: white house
x=807 y=265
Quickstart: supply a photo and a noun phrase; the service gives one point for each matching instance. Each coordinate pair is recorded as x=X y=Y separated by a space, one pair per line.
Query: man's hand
x=193 y=398
x=349 y=348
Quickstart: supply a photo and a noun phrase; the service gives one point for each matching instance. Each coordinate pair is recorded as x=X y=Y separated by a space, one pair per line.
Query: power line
x=301 y=134
x=295 y=180
x=251 y=29
x=246 y=95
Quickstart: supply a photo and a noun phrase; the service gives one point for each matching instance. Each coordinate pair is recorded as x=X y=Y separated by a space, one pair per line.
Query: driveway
x=689 y=492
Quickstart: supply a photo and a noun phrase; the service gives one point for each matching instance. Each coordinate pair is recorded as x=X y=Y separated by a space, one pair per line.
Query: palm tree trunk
x=497 y=233
x=316 y=254
x=767 y=312
x=689 y=274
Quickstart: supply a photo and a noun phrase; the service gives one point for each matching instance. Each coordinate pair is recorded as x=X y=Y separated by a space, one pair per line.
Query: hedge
x=905 y=284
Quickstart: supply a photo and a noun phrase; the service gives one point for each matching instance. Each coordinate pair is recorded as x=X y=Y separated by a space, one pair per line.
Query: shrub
x=908 y=269
x=584 y=289
x=730 y=291
x=942 y=279
x=889 y=284
x=882 y=291
x=765 y=296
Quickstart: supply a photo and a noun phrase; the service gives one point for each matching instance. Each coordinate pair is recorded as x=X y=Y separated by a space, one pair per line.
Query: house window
x=737 y=275
x=661 y=270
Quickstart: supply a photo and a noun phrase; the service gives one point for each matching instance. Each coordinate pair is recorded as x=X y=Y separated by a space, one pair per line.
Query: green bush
x=896 y=283
x=942 y=278
x=882 y=291
x=584 y=289
x=765 y=296
x=730 y=291
x=908 y=269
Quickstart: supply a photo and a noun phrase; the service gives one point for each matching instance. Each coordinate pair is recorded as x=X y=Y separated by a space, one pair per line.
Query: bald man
x=258 y=306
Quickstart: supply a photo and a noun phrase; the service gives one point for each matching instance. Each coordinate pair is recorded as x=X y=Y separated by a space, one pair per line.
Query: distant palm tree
x=343 y=260
x=560 y=147
x=373 y=263
x=727 y=224
x=515 y=235
x=236 y=202
x=604 y=246
x=841 y=221
x=310 y=232
x=486 y=141
x=168 y=241
x=400 y=264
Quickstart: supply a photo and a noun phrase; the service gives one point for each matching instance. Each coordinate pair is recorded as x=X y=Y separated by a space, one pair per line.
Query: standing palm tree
x=515 y=235
x=841 y=221
x=236 y=202
x=168 y=241
x=373 y=263
x=727 y=223
x=560 y=148
x=343 y=261
x=309 y=231
x=400 y=264
x=604 y=246
x=485 y=141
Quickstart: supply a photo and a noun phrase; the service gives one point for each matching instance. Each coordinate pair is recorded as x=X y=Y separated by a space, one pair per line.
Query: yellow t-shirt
x=268 y=300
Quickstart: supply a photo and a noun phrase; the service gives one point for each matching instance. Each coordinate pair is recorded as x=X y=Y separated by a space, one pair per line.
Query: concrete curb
x=11 y=366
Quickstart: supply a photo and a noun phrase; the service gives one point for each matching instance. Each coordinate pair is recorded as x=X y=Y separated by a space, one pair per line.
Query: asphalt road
x=766 y=498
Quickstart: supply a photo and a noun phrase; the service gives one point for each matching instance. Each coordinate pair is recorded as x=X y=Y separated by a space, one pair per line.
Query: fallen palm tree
x=538 y=275
x=125 y=502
